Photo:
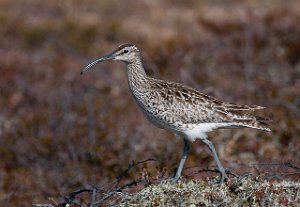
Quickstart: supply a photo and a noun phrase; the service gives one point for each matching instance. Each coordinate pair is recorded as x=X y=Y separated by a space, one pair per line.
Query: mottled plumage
x=182 y=107
x=179 y=108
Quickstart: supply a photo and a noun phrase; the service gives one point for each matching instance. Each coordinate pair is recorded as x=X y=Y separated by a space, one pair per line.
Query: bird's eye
x=126 y=51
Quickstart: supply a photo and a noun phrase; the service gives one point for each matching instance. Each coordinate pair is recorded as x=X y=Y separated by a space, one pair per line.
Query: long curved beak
x=106 y=57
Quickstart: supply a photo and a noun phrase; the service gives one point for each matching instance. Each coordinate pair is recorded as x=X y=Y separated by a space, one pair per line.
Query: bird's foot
x=174 y=179
x=223 y=177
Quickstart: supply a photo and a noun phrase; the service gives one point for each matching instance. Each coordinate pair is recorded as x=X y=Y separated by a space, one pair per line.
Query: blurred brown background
x=60 y=131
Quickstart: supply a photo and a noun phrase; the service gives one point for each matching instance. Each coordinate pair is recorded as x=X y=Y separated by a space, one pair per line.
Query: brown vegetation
x=60 y=131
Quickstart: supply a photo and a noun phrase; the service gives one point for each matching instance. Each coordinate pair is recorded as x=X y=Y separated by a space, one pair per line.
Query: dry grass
x=237 y=192
x=60 y=131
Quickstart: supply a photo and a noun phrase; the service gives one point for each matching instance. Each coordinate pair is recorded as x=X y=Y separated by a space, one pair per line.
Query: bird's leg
x=219 y=165
x=182 y=161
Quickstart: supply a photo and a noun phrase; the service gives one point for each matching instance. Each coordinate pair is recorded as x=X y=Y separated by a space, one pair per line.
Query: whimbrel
x=181 y=109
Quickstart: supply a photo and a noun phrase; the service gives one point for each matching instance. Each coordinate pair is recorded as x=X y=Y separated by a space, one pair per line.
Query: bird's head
x=127 y=53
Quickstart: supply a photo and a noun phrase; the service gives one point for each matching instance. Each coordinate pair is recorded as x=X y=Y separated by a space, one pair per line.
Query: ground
x=237 y=192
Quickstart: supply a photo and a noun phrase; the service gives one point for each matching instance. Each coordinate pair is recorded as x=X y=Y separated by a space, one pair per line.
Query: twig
x=290 y=165
x=71 y=198
x=134 y=182
x=130 y=166
x=212 y=170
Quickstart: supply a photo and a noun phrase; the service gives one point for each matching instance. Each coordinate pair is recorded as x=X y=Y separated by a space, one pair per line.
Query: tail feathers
x=257 y=123
x=249 y=121
x=233 y=107
x=262 y=120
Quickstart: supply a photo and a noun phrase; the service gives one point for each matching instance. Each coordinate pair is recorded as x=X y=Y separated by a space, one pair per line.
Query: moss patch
x=237 y=192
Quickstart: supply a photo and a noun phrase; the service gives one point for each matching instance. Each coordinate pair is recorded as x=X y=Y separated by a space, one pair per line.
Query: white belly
x=200 y=130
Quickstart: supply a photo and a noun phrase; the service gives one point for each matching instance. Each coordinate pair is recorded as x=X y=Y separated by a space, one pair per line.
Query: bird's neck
x=137 y=77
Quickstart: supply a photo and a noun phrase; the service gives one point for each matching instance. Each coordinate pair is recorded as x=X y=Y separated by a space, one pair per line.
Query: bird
x=181 y=109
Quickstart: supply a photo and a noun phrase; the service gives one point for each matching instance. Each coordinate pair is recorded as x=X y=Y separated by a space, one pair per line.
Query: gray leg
x=219 y=165
x=183 y=158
